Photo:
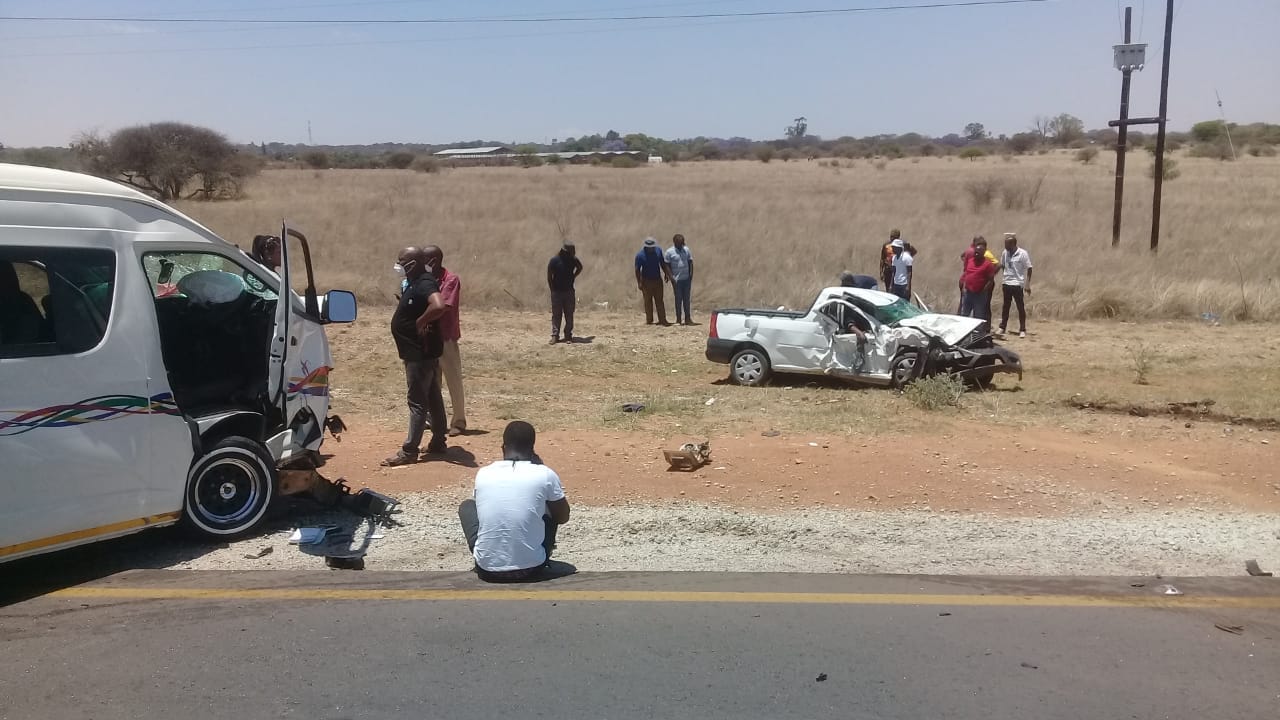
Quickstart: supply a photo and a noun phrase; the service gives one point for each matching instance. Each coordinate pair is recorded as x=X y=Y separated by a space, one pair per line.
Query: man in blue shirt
x=651 y=271
x=680 y=262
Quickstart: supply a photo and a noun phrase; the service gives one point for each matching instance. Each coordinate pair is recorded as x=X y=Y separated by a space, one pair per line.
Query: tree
x=612 y=135
x=798 y=129
x=1208 y=131
x=1066 y=129
x=1043 y=127
x=1023 y=142
x=163 y=159
x=975 y=131
x=972 y=153
x=764 y=153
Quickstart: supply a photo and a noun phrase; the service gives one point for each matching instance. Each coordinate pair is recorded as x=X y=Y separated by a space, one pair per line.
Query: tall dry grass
x=773 y=234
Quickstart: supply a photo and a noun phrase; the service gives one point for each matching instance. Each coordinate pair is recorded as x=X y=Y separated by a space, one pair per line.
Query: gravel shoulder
x=689 y=536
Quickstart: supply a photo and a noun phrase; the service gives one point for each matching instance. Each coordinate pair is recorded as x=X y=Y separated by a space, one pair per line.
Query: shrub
x=764 y=153
x=400 y=160
x=316 y=159
x=882 y=164
x=1023 y=142
x=972 y=153
x=1141 y=358
x=1086 y=155
x=935 y=392
x=529 y=160
x=1171 y=171
x=1262 y=150
x=426 y=164
x=624 y=162
x=982 y=192
x=928 y=150
x=1215 y=151
x=787 y=155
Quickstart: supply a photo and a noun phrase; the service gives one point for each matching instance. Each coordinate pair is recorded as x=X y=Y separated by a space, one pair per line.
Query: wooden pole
x=1164 y=120
x=1122 y=137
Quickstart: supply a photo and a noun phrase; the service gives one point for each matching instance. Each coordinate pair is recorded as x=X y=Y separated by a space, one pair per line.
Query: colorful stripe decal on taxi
x=95 y=409
x=315 y=383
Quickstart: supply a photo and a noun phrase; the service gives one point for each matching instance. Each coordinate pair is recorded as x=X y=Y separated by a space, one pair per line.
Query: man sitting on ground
x=511 y=524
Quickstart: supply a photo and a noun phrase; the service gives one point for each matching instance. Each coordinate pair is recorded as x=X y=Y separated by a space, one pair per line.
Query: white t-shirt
x=511 y=498
x=679 y=261
x=900 y=264
x=1015 y=267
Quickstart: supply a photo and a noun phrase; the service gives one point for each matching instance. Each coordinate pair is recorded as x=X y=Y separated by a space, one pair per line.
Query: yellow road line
x=660 y=596
x=88 y=533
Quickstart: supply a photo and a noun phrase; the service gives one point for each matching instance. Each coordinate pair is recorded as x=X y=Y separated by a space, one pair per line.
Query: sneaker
x=1022 y=334
x=399 y=459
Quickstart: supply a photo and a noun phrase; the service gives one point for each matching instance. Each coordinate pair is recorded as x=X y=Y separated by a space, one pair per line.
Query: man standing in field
x=977 y=282
x=680 y=261
x=651 y=272
x=886 y=259
x=415 y=327
x=450 y=334
x=511 y=523
x=564 y=268
x=902 y=270
x=964 y=256
x=1016 y=283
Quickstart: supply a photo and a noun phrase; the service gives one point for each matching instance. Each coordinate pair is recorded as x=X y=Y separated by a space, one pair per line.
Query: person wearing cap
x=1016 y=284
x=902 y=269
x=680 y=261
x=564 y=268
x=651 y=271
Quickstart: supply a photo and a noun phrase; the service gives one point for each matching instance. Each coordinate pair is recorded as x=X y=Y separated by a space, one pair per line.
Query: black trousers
x=470 y=519
x=425 y=400
x=1014 y=293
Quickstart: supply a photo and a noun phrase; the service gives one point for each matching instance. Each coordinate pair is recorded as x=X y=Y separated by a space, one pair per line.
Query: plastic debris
x=260 y=554
x=822 y=677
x=632 y=407
x=310 y=535
x=1251 y=566
x=1168 y=590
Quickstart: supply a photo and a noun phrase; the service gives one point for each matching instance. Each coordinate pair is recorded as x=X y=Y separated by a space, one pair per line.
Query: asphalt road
x=342 y=644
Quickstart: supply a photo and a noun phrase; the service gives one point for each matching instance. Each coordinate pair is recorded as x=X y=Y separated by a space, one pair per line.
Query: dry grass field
x=769 y=234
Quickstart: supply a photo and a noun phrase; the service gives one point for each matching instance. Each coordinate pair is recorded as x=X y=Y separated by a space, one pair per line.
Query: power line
x=514 y=20
x=265 y=25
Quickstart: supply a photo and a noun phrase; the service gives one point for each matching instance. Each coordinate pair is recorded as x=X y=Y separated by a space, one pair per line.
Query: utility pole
x=1225 y=126
x=1164 y=120
x=310 y=140
x=1122 y=137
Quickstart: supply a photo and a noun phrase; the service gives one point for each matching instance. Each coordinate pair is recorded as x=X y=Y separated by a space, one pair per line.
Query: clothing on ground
x=451 y=294
x=680 y=261
x=511 y=500
x=563 y=270
x=649 y=262
x=1016 y=265
x=404 y=328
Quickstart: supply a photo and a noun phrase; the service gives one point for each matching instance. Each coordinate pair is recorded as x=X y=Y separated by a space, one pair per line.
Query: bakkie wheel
x=749 y=367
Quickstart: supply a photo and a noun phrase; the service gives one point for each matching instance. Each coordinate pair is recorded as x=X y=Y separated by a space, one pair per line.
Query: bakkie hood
x=950 y=329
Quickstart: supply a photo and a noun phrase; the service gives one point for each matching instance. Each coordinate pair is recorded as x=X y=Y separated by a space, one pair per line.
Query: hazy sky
x=923 y=70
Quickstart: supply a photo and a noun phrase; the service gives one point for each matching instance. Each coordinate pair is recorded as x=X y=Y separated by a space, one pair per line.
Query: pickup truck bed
x=792 y=314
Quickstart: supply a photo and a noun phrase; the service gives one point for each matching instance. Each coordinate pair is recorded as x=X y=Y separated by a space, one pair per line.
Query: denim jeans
x=682 y=290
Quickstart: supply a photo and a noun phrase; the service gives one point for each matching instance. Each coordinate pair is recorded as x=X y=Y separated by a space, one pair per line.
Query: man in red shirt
x=451 y=333
x=977 y=281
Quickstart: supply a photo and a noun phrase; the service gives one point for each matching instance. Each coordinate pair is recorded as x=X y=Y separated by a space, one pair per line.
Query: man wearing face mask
x=415 y=327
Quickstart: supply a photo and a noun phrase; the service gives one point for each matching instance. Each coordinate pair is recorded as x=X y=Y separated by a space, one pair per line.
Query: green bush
x=316 y=159
x=972 y=153
x=624 y=162
x=1262 y=150
x=1171 y=171
x=764 y=153
x=936 y=392
x=1086 y=155
x=1214 y=151
x=529 y=160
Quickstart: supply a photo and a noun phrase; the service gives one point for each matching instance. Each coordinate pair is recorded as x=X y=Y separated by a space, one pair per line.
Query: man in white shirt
x=680 y=260
x=902 y=262
x=511 y=524
x=1016 y=263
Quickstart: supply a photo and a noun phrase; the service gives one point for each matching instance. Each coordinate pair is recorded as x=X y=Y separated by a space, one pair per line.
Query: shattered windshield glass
x=896 y=311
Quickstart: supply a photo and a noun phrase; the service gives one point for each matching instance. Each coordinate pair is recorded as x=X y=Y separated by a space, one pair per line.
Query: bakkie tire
x=749 y=367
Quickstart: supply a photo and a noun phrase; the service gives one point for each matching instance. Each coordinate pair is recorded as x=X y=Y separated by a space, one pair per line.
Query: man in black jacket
x=415 y=329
